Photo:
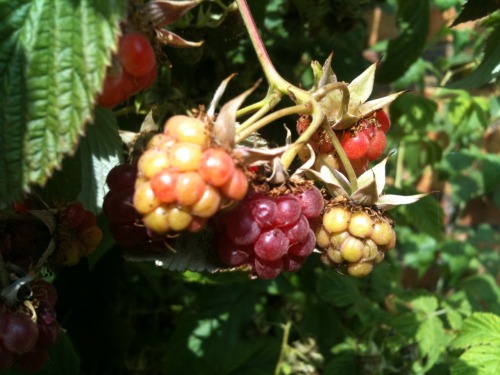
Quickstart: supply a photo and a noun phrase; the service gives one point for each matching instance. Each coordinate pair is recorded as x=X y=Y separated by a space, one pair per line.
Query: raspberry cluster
x=84 y=234
x=270 y=234
x=363 y=143
x=133 y=70
x=183 y=180
x=354 y=238
x=25 y=339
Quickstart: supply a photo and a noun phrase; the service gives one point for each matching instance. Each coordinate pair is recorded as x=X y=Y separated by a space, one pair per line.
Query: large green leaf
x=480 y=337
x=53 y=57
x=100 y=151
x=489 y=68
x=404 y=50
x=479 y=329
x=208 y=338
x=474 y=9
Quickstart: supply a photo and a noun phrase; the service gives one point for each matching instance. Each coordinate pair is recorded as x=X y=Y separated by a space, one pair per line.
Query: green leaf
x=337 y=289
x=483 y=292
x=489 y=68
x=479 y=360
x=431 y=340
x=480 y=336
x=457 y=256
x=190 y=251
x=481 y=328
x=424 y=304
x=216 y=323
x=474 y=9
x=413 y=25
x=100 y=151
x=53 y=57
x=413 y=111
x=345 y=363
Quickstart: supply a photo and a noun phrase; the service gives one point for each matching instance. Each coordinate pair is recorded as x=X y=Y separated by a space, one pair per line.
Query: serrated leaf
x=480 y=328
x=482 y=292
x=425 y=304
x=474 y=9
x=413 y=26
x=431 y=340
x=100 y=151
x=222 y=312
x=361 y=88
x=53 y=57
x=190 y=252
x=489 y=68
x=479 y=360
x=337 y=289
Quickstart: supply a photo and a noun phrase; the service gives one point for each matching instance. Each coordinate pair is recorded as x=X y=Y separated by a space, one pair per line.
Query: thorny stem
x=277 y=83
x=342 y=156
x=301 y=108
x=284 y=346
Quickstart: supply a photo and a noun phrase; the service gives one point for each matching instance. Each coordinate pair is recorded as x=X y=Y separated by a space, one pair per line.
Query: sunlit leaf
x=53 y=57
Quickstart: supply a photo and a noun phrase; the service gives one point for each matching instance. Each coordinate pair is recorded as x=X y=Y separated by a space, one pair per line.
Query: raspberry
x=270 y=234
x=186 y=129
x=136 y=54
x=355 y=144
x=181 y=170
x=237 y=187
x=217 y=166
x=18 y=332
x=354 y=238
x=377 y=145
x=383 y=120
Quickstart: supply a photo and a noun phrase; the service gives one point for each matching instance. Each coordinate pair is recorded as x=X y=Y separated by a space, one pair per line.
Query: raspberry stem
x=284 y=346
x=278 y=84
x=251 y=128
x=262 y=107
x=351 y=175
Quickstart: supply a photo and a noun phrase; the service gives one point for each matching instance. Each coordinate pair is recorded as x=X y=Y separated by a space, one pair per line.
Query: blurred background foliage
x=410 y=315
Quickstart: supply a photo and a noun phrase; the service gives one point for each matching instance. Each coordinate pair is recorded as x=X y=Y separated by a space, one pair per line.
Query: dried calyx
x=345 y=104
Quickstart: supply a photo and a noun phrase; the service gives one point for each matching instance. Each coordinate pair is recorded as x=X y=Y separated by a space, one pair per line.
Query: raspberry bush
x=156 y=217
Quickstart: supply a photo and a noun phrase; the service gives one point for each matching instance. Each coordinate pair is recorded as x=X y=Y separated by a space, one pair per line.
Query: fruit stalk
x=244 y=133
x=351 y=175
x=277 y=83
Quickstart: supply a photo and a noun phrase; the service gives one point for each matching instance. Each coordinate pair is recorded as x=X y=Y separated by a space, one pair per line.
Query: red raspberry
x=270 y=234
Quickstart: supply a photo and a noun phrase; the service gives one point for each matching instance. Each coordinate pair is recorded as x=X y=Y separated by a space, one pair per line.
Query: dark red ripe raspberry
x=121 y=177
x=271 y=245
x=263 y=211
x=136 y=54
x=74 y=214
x=270 y=234
x=115 y=90
x=19 y=332
x=311 y=202
x=33 y=360
x=288 y=210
